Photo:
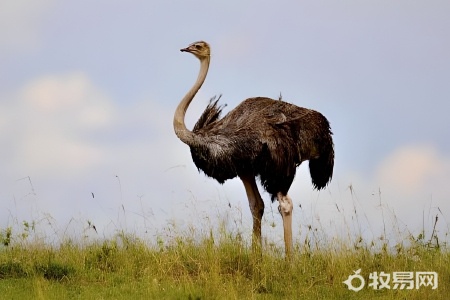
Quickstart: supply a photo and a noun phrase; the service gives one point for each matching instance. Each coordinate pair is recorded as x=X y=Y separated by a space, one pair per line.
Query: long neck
x=185 y=135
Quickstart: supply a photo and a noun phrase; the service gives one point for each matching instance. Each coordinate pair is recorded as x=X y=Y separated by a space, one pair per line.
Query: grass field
x=214 y=265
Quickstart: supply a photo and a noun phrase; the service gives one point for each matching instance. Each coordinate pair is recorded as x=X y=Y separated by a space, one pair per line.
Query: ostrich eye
x=198 y=47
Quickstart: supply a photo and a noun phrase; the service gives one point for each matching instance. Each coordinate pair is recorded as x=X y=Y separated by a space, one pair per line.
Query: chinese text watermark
x=394 y=280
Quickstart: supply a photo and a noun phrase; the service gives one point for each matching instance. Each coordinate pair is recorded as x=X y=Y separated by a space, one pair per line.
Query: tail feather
x=321 y=168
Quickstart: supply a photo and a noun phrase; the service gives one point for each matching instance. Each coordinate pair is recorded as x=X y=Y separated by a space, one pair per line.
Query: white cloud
x=71 y=95
x=51 y=121
x=405 y=192
x=414 y=169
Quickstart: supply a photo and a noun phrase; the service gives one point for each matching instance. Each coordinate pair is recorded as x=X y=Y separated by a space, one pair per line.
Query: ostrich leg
x=256 y=207
x=285 y=209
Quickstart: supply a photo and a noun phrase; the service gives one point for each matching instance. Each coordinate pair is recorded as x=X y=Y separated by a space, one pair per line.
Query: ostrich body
x=262 y=138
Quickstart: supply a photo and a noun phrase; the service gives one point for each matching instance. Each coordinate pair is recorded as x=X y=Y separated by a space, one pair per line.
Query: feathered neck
x=184 y=134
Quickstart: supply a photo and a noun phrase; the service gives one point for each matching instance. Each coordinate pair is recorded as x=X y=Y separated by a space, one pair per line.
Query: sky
x=88 y=91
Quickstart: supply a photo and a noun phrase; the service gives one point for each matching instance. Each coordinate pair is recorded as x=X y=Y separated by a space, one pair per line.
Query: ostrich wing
x=211 y=113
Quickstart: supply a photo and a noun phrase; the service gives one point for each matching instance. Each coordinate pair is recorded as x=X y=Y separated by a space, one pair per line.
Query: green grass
x=213 y=266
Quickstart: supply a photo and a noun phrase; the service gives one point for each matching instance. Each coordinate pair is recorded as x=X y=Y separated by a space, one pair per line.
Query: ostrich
x=262 y=138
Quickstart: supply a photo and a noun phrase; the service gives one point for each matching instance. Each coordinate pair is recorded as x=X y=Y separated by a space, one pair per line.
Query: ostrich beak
x=185 y=50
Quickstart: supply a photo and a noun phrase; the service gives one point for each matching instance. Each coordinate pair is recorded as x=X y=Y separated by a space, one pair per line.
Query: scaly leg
x=285 y=209
x=256 y=207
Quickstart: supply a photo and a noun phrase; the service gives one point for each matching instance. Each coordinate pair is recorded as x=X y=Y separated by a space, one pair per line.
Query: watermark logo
x=351 y=278
x=395 y=280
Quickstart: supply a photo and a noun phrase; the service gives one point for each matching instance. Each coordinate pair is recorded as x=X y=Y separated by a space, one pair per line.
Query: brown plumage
x=262 y=138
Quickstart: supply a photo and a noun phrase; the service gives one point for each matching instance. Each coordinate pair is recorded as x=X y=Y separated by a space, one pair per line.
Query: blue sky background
x=88 y=90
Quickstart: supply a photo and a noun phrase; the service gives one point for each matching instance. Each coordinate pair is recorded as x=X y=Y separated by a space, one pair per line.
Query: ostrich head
x=200 y=49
